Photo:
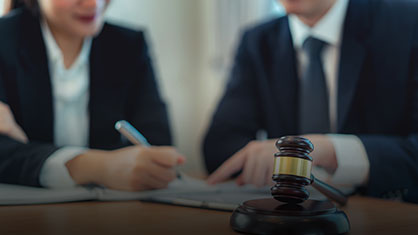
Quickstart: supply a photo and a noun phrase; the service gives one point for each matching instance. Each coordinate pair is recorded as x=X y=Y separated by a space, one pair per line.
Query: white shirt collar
x=68 y=85
x=328 y=29
x=54 y=52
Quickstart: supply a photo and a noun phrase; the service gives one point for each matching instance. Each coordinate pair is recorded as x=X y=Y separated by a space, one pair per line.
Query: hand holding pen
x=134 y=136
x=133 y=168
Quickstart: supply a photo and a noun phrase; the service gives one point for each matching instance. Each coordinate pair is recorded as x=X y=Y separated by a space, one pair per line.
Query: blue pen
x=133 y=135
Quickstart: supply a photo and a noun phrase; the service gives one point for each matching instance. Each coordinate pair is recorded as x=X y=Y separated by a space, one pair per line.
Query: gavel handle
x=329 y=191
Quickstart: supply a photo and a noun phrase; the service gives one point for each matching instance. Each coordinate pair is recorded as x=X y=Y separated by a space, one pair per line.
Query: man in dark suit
x=343 y=73
x=66 y=78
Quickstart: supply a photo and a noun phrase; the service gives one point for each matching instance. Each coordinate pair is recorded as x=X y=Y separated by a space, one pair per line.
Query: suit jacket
x=122 y=86
x=377 y=92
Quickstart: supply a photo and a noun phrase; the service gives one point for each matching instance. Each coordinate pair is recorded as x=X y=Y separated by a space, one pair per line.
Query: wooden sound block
x=269 y=216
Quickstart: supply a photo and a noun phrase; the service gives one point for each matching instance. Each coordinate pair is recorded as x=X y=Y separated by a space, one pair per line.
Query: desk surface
x=367 y=216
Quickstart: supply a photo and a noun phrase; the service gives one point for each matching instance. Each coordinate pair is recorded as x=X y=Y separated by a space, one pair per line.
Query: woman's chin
x=88 y=31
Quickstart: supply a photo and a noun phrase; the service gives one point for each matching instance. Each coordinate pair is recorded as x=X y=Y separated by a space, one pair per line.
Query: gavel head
x=292 y=169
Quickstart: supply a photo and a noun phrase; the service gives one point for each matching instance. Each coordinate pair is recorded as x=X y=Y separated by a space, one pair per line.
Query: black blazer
x=377 y=92
x=122 y=86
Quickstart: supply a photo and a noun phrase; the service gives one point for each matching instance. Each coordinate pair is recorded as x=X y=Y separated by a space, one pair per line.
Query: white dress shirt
x=70 y=94
x=353 y=163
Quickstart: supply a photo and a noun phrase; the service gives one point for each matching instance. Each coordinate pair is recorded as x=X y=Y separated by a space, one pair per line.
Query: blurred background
x=193 y=43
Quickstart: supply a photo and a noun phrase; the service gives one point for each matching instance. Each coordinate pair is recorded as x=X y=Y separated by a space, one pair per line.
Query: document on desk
x=184 y=192
x=23 y=195
x=225 y=196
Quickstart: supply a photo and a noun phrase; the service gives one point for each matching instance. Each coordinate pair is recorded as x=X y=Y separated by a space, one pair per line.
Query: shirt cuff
x=54 y=173
x=353 y=163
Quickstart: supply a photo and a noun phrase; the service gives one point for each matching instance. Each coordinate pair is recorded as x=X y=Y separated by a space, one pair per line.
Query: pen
x=133 y=135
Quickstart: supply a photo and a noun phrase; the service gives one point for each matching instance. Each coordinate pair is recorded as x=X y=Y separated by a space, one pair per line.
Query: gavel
x=291 y=211
x=292 y=173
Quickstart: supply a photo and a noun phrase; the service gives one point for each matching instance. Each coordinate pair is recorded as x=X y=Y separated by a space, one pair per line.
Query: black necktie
x=313 y=93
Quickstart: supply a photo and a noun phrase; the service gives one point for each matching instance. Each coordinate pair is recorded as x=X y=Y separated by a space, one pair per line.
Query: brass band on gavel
x=285 y=165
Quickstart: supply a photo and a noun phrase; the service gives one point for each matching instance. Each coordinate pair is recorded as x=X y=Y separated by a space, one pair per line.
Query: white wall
x=1 y=6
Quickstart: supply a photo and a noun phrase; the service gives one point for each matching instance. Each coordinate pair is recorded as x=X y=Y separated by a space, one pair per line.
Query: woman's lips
x=86 y=18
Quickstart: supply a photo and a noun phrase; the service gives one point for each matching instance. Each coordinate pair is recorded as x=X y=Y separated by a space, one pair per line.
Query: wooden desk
x=367 y=216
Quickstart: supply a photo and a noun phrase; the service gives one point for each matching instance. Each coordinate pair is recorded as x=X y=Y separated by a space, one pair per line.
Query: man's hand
x=324 y=153
x=132 y=168
x=256 y=160
x=8 y=126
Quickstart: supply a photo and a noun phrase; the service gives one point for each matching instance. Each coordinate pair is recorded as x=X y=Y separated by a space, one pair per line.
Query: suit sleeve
x=146 y=109
x=21 y=163
x=236 y=120
x=394 y=159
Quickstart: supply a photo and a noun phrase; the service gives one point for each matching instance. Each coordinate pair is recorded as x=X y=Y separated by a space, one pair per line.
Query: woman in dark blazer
x=66 y=77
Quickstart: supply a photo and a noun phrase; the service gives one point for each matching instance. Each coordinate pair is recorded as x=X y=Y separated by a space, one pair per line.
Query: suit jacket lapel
x=353 y=54
x=96 y=91
x=34 y=85
x=285 y=78
x=106 y=103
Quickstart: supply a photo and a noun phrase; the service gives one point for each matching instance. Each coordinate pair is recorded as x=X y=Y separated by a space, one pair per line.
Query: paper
x=21 y=195
x=226 y=196
x=184 y=185
x=185 y=191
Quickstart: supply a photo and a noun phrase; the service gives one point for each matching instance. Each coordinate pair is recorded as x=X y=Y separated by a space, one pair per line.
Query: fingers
x=8 y=125
x=162 y=164
x=256 y=172
x=138 y=168
x=5 y=111
x=5 y=114
x=269 y=175
x=324 y=154
x=162 y=173
x=248 y=170
x=228 y=168
x=4 y=105
x=155 y=183
x=259 y=173
x=258 y=165
x=167 y=157
x=240 y=180
x=19 y=134
x=148 y=182
x=154 y=176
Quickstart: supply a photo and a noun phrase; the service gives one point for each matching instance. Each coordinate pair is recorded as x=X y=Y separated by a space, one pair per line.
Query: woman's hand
x=132 y=168
x=8 y=126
